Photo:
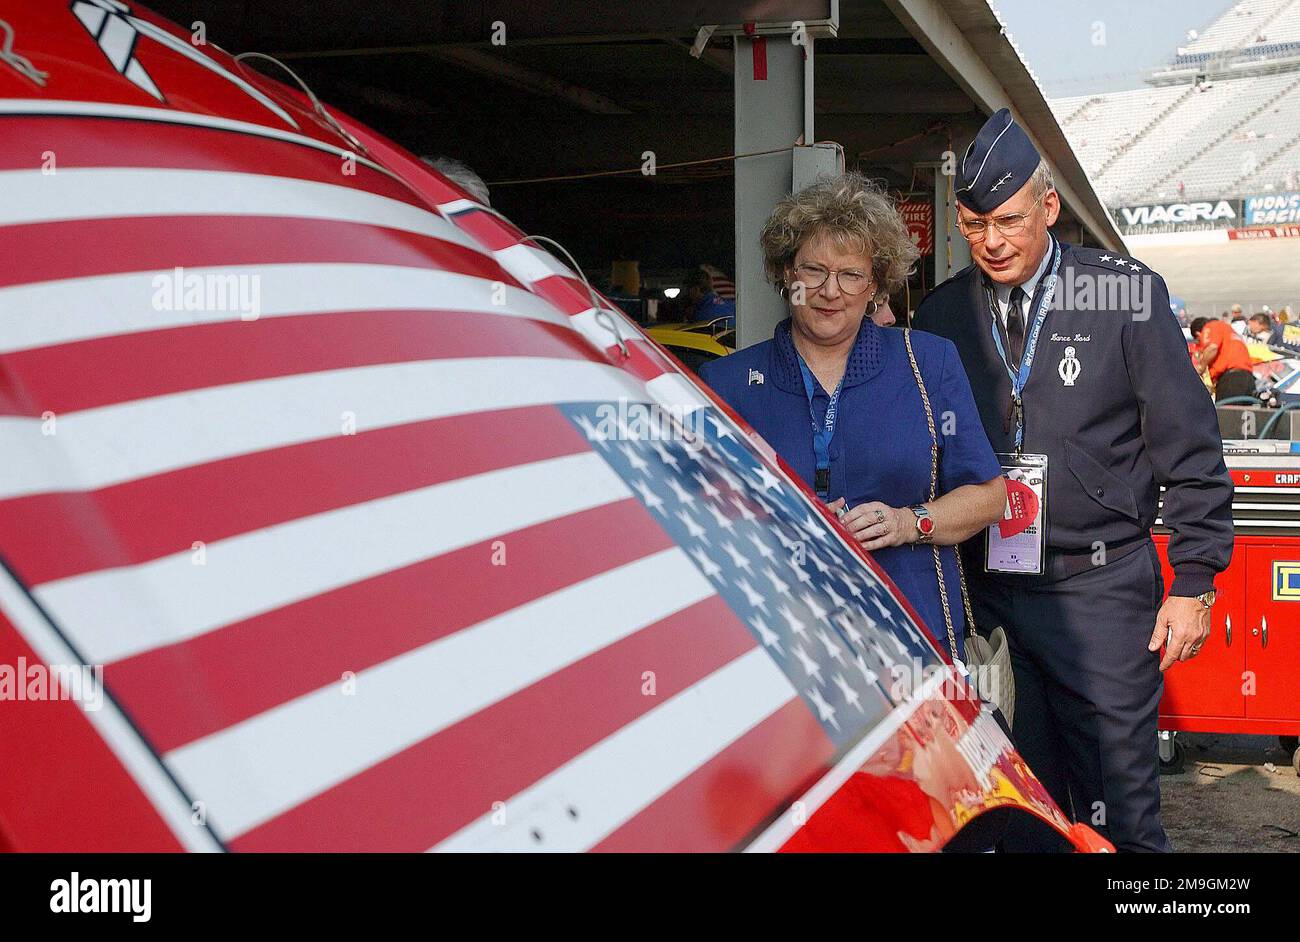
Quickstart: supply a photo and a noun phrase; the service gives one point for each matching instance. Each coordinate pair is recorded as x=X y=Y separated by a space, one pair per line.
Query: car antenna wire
x=603 y=316
x=315 y=102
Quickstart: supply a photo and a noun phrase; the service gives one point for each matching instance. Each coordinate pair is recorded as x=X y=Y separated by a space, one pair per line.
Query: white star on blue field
x=824 y=618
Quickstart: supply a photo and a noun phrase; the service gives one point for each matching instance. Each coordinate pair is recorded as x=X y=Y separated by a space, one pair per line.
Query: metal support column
x=770 y=114
x=951 y=250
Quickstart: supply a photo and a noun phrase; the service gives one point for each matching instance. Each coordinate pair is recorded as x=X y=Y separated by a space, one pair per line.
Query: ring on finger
x=880 y=515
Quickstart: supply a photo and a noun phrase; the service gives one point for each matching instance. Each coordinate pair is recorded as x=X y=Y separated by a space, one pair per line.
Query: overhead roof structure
x=969 y=41
x=584 y=90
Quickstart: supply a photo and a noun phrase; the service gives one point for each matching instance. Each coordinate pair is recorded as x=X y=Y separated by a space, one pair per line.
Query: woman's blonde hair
x=853 y=211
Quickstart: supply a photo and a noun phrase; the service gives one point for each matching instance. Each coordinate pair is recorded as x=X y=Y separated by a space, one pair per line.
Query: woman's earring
x=872 y=307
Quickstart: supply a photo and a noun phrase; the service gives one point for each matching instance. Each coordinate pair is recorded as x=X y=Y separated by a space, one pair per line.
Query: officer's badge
x=1069 y=368
x=755 y=378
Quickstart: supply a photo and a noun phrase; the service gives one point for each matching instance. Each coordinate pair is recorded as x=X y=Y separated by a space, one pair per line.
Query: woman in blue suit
x=837 y=398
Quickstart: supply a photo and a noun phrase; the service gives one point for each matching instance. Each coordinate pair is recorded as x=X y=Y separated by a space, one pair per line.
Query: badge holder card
x=1015 y=543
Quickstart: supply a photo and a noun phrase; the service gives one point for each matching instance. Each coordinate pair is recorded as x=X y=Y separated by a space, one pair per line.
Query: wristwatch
x=1207 y=598
x=924 y=524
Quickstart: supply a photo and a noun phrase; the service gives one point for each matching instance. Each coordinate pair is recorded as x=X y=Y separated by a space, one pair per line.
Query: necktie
x=1016 y=324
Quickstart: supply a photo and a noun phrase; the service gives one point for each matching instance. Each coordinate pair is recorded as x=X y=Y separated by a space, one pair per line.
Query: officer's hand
x=1182 y=625
x=876 y=525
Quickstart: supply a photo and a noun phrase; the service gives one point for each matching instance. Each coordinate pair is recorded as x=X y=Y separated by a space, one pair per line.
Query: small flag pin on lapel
x=755 y=378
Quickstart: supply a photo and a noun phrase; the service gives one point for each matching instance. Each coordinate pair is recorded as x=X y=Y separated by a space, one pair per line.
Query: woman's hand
x=876 y=525
x=957 y=516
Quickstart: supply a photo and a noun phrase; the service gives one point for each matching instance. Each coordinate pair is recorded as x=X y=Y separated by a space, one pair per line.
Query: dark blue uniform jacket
x=1135 y=416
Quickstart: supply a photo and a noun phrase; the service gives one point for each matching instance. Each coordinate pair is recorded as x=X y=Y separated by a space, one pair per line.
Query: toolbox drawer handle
x=1227 y=622
x=1263 y=624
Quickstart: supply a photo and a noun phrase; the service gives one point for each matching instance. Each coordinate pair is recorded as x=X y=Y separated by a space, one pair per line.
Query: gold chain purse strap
x=934 y=489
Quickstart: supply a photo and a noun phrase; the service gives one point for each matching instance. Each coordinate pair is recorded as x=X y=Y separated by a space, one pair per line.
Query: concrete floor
x=1228 y=799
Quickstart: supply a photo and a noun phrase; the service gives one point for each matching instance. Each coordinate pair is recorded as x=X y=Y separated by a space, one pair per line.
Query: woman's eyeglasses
x=850 y=280
x=1008 y=224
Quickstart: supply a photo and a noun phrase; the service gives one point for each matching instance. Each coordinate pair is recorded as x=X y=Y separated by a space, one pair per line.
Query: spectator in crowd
x=1237 y=318
x=723 y=286
x=1224 y=357
x=1264 y=330
x=703 y=303
x=882 y=315
x=1194 y=348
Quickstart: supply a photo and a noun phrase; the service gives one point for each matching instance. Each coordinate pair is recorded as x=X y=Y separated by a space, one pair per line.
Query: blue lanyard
x=1020 y=377
x=822 y=431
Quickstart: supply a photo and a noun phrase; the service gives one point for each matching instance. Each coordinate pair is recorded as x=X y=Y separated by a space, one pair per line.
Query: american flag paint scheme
x=388 y=533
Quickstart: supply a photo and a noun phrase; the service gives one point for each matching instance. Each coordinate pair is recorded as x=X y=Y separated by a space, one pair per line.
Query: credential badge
x=1069 y=367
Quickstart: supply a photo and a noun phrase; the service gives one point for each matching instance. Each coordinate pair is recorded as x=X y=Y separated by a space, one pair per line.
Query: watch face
x=925 y=525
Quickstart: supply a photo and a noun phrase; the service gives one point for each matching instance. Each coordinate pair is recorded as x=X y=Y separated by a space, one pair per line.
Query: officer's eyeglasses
x=1008 y=224
x=850 y=280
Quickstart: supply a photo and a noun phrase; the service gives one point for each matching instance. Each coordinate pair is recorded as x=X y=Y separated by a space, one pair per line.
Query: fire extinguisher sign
x=1286 y=581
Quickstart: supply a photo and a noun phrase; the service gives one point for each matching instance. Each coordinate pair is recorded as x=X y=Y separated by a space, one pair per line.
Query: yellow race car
x=697 y=343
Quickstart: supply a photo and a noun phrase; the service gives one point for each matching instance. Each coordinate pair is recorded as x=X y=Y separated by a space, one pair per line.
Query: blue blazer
x=881 y=447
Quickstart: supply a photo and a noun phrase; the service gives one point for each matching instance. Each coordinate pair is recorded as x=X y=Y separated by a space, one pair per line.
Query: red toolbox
x=1247 y=677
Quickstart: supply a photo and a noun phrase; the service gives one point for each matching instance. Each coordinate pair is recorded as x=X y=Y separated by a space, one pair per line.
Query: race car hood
x=336 y=514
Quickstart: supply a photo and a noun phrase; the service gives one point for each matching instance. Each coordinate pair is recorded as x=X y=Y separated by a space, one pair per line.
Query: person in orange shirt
x=1225 y=357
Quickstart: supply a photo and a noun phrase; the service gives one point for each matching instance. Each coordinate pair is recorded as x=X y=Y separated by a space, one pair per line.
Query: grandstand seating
x=1280 y=172
x=1248 y=151
x=1230 y=143
x=1103 y=125
x=1223 y=121
x=1174 y=125
x=1243 y=24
